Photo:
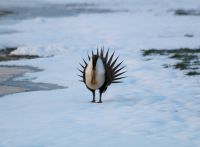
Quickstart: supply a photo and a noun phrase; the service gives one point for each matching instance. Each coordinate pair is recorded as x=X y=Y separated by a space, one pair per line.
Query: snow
x=154 y=107
x=39 y=19
x=2 y=48
x=48 y=51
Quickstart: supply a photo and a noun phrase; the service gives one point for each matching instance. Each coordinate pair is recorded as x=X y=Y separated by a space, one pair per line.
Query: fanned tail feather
x=118 y=78
x=106 y=58
x=114 y=62
x=80 y=70
x=110 y=60
x=112 y=73
x=117 y=82
x=118 y=70
x=88 y=57
x=81 y=65
x=92 y=53
x=119 y=74
x=101 y=55
x=84 y=61
x=80 y=76
x=118 y=65
x=97 y=52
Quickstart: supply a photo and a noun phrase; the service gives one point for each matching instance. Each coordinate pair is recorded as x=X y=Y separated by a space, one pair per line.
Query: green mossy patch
x=193 y=73
x=188 y=58
x=187 y=12
x=167 y=52
x=2 y=13
x=6 y=56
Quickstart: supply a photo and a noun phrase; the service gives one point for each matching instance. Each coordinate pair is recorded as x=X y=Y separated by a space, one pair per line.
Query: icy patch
x=48 y=51
x=2 y=48
x=24 y=78
x=39 y=19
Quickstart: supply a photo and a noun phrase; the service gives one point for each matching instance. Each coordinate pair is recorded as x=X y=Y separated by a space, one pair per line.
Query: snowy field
x=154 y=107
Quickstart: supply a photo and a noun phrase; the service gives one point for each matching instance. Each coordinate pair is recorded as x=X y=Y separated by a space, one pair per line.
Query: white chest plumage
x=95 y=78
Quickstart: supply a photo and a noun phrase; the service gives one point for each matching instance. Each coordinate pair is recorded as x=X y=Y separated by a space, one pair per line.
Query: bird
x=100 y=72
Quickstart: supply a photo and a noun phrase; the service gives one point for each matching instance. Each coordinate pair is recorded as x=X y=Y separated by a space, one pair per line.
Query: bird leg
x=93 y=96
x=100 y=93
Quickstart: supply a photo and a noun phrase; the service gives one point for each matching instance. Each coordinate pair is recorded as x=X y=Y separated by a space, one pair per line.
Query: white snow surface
x=154 y=107
x=2 y=48
x=48 y=51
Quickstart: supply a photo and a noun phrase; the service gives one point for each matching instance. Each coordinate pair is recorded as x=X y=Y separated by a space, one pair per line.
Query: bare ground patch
x=188 y=59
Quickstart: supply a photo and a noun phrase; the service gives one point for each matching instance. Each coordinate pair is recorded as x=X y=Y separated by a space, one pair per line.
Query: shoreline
x=9 y=84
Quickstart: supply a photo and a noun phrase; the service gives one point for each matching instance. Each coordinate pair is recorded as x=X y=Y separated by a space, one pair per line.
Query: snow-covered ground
x=2 y=48
x=154 y=107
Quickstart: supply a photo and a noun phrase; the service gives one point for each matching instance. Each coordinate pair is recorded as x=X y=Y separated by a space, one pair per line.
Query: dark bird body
x=100 y=72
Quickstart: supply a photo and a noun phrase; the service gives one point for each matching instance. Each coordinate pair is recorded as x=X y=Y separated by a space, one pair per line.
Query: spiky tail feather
x=112 y=73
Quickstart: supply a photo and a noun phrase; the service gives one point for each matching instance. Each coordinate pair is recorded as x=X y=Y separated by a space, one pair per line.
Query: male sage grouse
x=100 y=72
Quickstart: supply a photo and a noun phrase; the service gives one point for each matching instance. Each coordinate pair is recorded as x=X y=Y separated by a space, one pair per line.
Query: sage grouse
x=100 y=72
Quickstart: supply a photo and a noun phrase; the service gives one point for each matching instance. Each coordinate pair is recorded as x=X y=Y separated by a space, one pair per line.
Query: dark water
x=12 y=11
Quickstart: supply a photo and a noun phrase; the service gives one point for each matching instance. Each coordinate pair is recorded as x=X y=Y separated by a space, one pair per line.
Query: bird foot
x=100 y=102
x=92 y=101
